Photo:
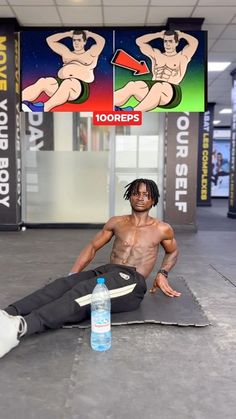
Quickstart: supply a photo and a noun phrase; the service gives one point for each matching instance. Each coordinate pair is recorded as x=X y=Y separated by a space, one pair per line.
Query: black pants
x=67 y=300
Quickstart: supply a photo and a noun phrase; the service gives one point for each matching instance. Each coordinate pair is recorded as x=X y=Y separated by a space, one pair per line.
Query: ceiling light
x=216 y=122
x=218 y=66
x=226 y=110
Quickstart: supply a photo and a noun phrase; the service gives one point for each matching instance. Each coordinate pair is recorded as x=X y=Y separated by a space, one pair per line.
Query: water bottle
x=100 y=317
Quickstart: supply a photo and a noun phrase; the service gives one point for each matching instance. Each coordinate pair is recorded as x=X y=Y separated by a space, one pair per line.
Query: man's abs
x=165 y=73
x=142 y=259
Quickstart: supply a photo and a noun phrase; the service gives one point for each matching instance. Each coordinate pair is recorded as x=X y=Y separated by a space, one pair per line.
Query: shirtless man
x=168 y=70
x=77 y=72
x=134 y=253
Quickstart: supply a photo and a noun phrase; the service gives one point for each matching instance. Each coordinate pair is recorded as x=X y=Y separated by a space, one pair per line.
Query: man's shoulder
x=166 y=226
x=162 y=226
x=113 y=221
x=158 y=222
x=119 y=217
x=184 y=56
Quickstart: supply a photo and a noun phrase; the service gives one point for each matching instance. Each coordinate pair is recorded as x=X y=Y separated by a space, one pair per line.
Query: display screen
x=142 y=69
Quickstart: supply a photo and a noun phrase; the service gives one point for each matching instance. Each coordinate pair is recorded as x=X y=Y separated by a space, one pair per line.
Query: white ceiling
x=220 y=22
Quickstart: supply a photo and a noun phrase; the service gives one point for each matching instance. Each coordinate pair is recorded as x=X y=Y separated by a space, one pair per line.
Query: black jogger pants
x=67 y=299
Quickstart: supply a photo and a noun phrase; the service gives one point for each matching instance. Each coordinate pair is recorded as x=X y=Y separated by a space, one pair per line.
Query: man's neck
x=170 y=54
x=79 y=52
x=140 y=218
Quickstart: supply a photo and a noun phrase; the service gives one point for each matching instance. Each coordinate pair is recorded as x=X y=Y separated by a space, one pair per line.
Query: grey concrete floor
x=152 y=371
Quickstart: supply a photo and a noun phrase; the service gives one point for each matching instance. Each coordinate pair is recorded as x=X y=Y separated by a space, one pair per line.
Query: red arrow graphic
x=123 y=59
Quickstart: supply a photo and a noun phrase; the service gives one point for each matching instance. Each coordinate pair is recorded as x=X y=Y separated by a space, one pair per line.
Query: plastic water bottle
x=100 y=317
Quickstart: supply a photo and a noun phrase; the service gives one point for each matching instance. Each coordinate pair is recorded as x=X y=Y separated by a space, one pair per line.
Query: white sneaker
x=11 y=329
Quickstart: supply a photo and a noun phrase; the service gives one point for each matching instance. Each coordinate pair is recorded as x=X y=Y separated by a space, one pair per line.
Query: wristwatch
x=163 y=272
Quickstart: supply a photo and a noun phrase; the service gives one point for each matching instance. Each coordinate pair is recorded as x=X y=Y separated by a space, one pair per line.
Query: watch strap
x=163 y=272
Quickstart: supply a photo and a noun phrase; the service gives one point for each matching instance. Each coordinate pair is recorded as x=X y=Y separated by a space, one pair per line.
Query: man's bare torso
x=79 y=66
x=136 y=245
x=169 y=68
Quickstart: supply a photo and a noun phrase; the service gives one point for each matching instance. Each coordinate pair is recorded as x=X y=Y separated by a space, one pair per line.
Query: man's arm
x=88 y=253
x=55 y=45
x=171 y=254
x=191 y=47
x=97 y=48
x=145 y=48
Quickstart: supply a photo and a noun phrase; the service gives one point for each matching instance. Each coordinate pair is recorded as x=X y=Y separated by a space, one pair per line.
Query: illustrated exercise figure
x=73 y=78
x=168 y=70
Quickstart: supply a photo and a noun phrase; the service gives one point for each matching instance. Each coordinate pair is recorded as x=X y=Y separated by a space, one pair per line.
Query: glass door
x=70 y=182
x=74 y=172
x=139 y=153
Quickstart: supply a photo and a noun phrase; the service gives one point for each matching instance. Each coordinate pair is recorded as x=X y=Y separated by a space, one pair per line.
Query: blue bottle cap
x=100 y=280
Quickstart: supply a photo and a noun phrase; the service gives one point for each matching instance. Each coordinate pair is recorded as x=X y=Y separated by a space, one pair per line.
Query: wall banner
x=102 y=69
x=39 y=131
x=232 y=180
x=205 y=156
x=10 y=161
x=220 y=167
x=181 y=169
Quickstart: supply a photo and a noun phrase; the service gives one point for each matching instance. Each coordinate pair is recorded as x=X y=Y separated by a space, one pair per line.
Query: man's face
x=141 y=201
x=170 y=44
x=78 y=42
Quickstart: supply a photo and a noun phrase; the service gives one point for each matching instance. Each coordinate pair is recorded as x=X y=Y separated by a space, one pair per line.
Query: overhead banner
x=10 y=160
x=181 y=169
x=232 y=180
x=140 y=69
x=205 y=156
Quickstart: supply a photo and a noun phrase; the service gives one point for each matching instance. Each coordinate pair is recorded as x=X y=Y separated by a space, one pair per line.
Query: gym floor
x=151 y=371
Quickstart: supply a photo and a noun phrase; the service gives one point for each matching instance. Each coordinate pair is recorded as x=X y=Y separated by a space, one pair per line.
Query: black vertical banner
x=10 y=161
x=232 y=179
x=181 y=142
x=204 y=156
x=39 y=132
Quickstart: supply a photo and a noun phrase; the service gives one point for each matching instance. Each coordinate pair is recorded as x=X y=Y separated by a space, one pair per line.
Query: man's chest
x=79 y=58
x=172 y=62
x=138 y=236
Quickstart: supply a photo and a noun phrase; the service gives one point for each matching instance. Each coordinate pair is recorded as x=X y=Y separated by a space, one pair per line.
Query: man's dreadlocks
x=152 y=189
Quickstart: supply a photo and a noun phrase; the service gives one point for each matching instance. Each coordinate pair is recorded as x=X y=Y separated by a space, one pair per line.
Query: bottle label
x=101 y=322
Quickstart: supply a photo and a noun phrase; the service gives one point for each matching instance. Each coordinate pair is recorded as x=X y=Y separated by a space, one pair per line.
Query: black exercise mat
x=160 y=309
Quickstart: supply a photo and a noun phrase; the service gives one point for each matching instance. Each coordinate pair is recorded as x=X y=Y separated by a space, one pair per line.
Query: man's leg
x=48 y=85
x=126 y=286
x=159 y=94
x=138 y=89
x=47 y=294
x=223 y=173
x=69 y=90
x=13 y=327
x=216 y=179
